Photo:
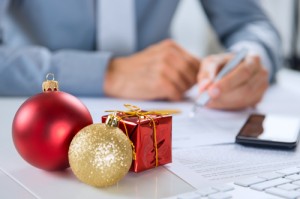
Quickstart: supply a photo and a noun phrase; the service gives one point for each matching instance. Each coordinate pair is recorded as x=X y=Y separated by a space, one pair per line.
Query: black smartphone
x=270 y=130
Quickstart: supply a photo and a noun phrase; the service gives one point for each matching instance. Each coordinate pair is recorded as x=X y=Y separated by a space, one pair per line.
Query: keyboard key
x=223 y=188
x=271 y=183
x=206 y=191
x=190 y=195
x=249 y=181
x=220 y=195
x=288 y=187
x=283 y=193
x=296 y=182
x=271 y=176
x=289 y=171
x=293 y=177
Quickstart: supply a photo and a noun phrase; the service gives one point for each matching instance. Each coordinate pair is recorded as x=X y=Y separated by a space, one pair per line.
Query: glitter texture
x=100 y=155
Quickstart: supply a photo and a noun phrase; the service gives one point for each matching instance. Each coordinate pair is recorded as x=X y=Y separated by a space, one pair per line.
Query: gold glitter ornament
x=100 y=154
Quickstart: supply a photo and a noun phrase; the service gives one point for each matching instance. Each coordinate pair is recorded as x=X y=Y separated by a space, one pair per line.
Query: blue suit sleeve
x=238 y=21
x=22 y=70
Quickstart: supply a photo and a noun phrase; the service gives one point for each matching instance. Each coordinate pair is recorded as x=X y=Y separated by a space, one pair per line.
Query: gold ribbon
x=135 y=111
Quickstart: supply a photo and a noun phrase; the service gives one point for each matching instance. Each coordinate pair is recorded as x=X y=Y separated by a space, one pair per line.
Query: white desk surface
x=18 y=179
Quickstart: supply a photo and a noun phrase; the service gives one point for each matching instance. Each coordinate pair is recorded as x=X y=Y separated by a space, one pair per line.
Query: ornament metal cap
x=50 y=84
x=112 y=120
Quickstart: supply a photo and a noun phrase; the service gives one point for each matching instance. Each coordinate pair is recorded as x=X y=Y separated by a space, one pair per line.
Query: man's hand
x=162 y=71
x=244 y=86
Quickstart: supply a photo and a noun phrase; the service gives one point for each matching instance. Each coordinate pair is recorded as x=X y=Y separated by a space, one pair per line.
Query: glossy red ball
x=44 y=126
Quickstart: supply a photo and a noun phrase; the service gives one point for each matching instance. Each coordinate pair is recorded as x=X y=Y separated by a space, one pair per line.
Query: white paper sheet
x=208 y=127
x=203 y=166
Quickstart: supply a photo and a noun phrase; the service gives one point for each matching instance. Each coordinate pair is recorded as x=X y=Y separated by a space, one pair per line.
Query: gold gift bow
x=136 y=111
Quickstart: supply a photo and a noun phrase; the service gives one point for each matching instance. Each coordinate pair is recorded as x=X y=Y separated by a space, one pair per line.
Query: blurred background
x=190 y=22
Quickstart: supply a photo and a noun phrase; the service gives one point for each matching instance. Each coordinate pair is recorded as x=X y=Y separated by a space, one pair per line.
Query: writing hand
x=244 y=86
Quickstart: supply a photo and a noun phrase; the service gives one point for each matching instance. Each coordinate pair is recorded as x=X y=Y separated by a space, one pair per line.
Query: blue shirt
x=38 y=37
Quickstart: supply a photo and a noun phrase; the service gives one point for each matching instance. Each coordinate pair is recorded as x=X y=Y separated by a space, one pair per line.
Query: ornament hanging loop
x=50 y=75
x=112 y=120
x=50 y=84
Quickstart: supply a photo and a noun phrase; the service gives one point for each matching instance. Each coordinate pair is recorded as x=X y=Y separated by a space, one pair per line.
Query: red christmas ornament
x=45 y=125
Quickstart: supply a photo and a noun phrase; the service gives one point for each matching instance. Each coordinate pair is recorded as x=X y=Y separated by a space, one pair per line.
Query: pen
x=238 y=58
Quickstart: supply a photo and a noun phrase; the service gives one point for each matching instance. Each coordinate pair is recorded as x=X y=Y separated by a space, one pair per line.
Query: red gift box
x=141 y=131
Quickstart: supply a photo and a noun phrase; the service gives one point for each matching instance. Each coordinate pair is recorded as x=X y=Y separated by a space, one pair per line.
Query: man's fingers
x=209 y=68
x=183 y=67
x=187 y=63
x=248 y=94
x=174 y=76
x=204 y=84
x=238 y=76
x=180 y=61
x=192 y=61
x=258 y=85
x=169 y=91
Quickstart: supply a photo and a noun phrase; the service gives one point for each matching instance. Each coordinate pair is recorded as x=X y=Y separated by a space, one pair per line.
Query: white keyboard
x=280 y=184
